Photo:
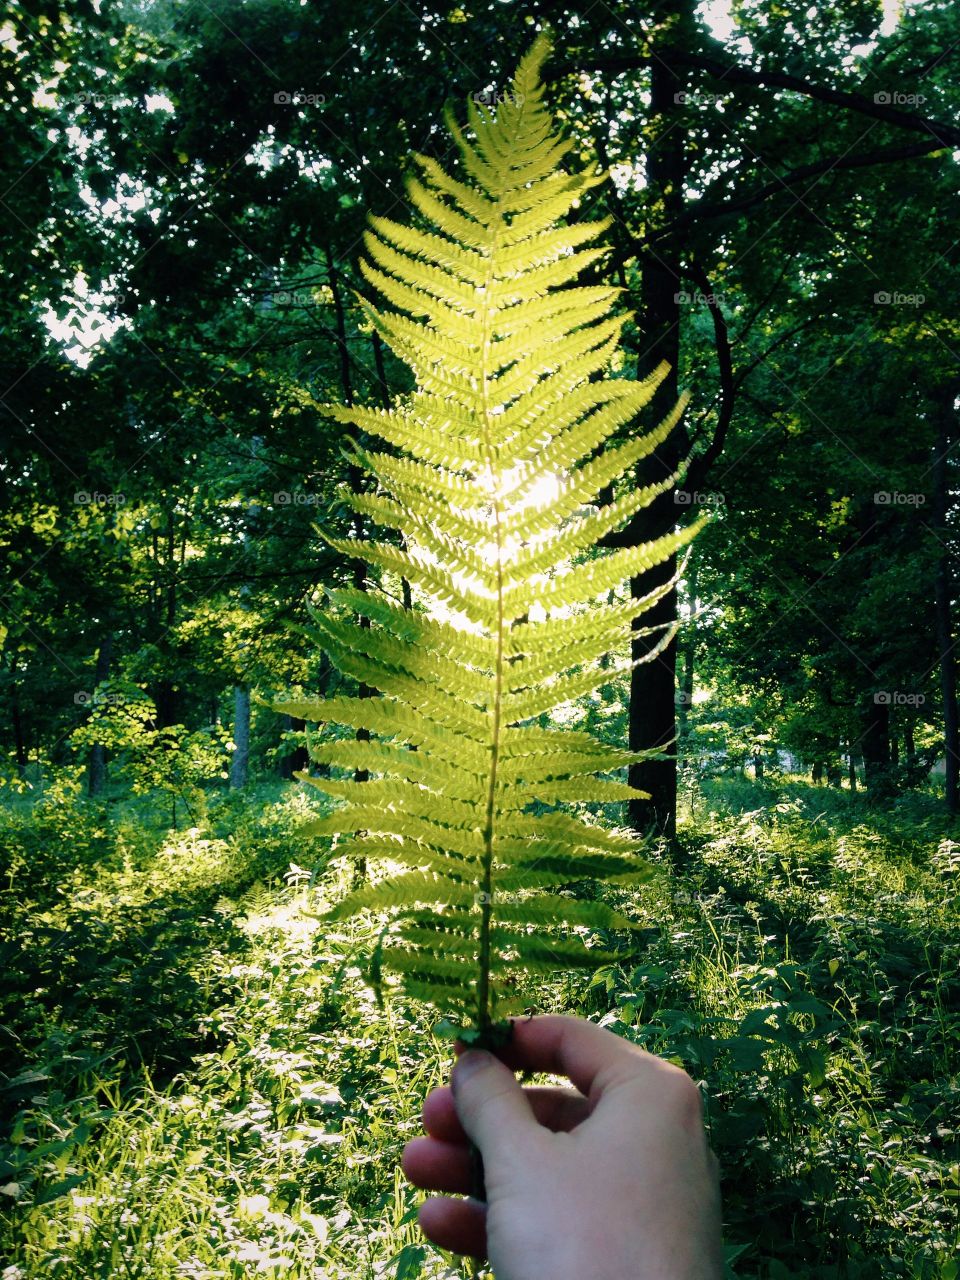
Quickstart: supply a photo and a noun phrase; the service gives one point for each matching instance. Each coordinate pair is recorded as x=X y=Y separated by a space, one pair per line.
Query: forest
x=479 y=537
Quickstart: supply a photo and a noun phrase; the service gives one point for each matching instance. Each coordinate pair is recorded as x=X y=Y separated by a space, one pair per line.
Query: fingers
x=457 y=1225
x=441 y=1162
x=438 y=1166
x=590 y=1056
x=491 y=1105
x=559 y=1110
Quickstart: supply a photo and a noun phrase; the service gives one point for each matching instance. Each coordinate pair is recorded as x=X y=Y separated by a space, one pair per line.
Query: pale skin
x=609 y=1180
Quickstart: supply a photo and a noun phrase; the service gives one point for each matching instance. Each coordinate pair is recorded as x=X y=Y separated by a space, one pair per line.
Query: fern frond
x=554 y=416
x=562 y=866
x=405 y=431
x=526 y=671
x=513 y=431
x=361 y=651
x=391 y=718
x=596 y=577
x=417 y=628
x=548 y=910
x=563 y=633
x=404 y=891
x=441 y=583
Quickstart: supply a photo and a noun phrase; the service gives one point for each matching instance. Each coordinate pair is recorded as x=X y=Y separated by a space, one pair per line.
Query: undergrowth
x=196 y=1083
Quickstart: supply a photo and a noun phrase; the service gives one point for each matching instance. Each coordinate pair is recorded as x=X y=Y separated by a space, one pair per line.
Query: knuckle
x=682 y=1095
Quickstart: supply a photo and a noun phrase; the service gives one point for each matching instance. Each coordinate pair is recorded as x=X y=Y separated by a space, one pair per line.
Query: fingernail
x=466 y=1065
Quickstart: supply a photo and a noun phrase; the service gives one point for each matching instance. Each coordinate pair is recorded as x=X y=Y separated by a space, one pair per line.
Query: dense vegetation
x=198 y=1084
x=195 y=1080
x=182 y=294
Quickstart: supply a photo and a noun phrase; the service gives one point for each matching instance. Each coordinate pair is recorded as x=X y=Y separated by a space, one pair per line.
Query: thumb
x=490 y=1103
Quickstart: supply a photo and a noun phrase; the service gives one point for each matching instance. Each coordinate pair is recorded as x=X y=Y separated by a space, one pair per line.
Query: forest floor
x=197 y=1084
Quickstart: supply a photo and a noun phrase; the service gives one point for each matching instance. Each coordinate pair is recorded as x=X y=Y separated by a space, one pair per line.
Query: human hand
x=611 y=1180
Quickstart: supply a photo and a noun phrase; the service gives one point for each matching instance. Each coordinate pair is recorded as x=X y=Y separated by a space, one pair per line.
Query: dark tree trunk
x=851 y=768
x=875 y=743
x=16 y=721
x=97 y=762
x=384 y=388
x=685 y=691
x=19 y=745
x=652 y=713
x=816 y=773
x=165 y=698
x=298 y=759
x=240 y=760
x=942 y=589
x=757 y=766
x=354 y=477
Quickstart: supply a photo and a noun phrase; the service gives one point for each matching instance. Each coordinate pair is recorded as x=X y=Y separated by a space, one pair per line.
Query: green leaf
x=476 y=501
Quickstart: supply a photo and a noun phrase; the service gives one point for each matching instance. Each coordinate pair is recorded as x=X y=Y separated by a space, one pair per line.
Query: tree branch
x=737 y=73
x=778 y=342
x=701 y=210
x=701 y=464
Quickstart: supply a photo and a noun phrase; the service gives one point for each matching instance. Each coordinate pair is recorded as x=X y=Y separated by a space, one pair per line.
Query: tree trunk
x=851 y=769
x=685 y=692
x=816 y=773
x=354 y=479
x=405 y=589
x=19 y=742
x=166 y=696
x=298 y=759
x=942 y=589
x=875 y=744
x=97 y=762
x=652 y=713
x=240 y=760
x=757 y=766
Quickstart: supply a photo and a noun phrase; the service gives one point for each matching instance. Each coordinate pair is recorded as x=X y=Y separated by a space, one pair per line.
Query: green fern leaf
x=488 y=471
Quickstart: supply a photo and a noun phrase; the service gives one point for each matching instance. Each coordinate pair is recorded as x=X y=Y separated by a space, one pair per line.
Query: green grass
x=198 y=1085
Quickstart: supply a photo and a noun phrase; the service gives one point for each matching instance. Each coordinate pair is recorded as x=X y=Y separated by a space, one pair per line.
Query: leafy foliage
x=501 y=459
x=805 y=970
x=167 y=758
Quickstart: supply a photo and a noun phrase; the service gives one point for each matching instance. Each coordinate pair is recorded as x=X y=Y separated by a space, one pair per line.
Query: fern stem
x=486 y=902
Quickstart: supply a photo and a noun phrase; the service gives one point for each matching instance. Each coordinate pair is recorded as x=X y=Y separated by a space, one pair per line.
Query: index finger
x=590 y=1056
